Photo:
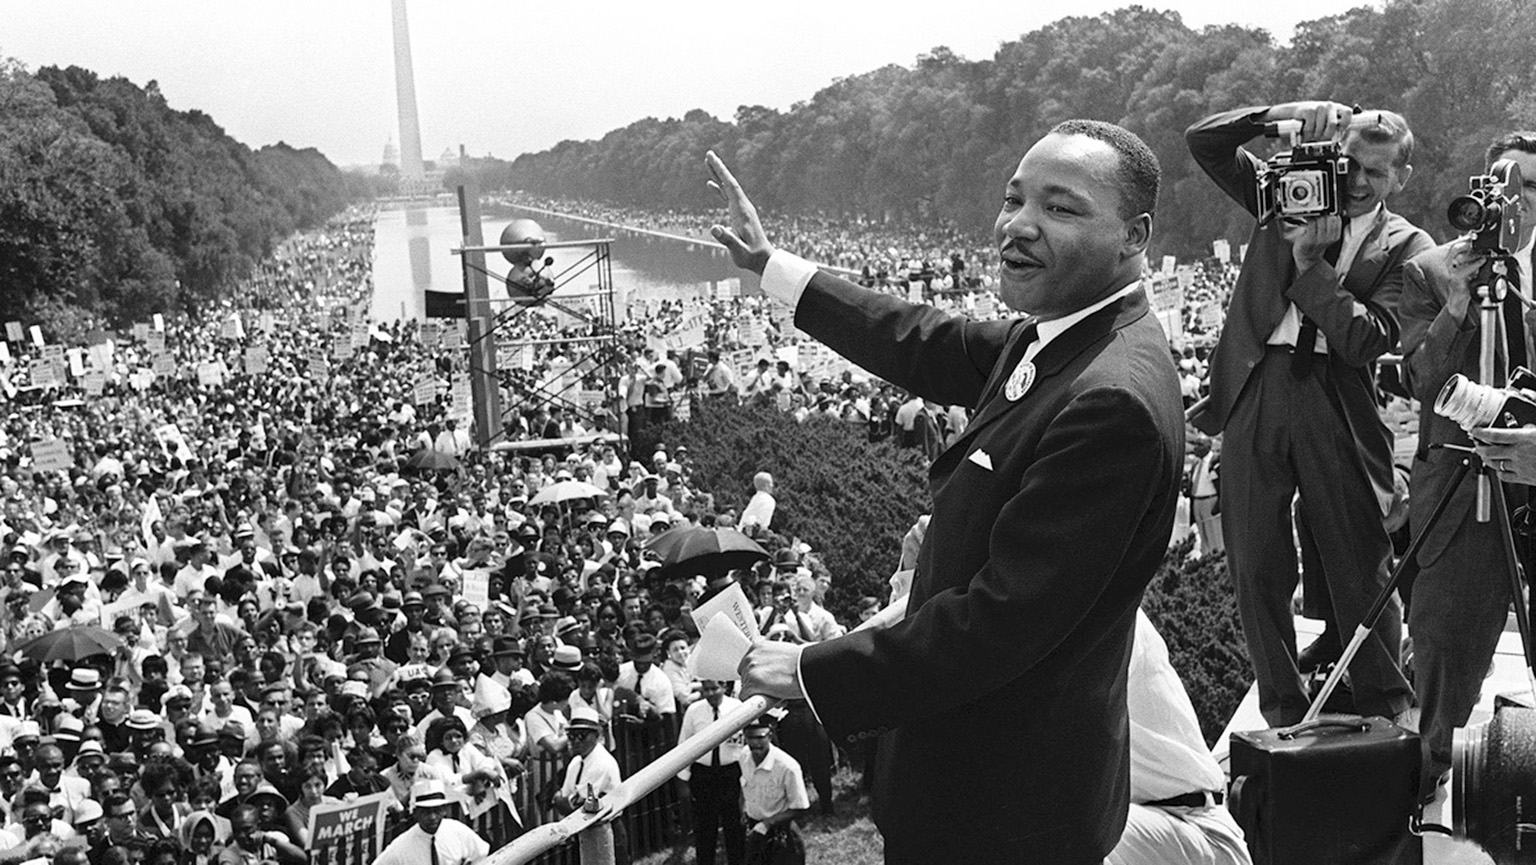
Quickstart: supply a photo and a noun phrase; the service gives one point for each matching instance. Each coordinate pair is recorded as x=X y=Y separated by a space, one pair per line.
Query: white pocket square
x=979 y=457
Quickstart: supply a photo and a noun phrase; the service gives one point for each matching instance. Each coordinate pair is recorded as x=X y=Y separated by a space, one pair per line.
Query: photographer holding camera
x=1292 y=380
x=1461 y=596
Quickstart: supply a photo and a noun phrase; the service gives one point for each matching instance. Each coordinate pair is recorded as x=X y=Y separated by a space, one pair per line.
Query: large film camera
x=1490 y=211
x=1307 y=180
x=1493 y=784
x=1471 y=405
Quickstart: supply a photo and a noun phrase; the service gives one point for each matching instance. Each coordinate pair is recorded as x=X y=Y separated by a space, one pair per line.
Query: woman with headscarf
x=201 y=838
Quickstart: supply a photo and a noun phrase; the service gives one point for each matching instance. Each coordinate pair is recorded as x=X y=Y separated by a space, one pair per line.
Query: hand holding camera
x=1310 y=238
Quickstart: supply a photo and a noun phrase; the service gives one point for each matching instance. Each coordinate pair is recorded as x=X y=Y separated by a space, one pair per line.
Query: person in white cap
x=435 y=839
x=591 y=774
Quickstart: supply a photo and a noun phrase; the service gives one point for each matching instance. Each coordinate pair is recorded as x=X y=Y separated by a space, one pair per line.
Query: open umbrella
x=707 y=551
x=70 y=644
x=564 y=491
x=428 y=459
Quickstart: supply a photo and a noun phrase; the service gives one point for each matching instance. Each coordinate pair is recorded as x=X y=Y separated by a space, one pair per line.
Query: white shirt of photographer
x=1355 y=233
x=1169 y=758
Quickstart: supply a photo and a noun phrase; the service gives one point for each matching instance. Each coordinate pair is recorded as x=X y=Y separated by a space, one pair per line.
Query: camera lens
x=1465 y=213
x=1468 y=403
x=1493 y=767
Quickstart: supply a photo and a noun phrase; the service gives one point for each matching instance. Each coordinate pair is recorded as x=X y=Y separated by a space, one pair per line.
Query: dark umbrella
x=707 y=551
x=70 y=644
x=428 y=459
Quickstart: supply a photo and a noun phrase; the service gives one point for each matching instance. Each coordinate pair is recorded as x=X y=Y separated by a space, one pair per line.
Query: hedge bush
x=852 y=501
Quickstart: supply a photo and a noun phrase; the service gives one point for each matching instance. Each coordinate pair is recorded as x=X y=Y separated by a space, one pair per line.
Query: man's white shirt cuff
x=785 y=277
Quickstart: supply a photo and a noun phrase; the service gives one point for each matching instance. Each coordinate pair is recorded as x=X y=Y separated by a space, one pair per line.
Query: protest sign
x=13 y=331
x=209 y=374
x=95 y=382
x=37 y=335
x=348 y=833
x=477 y=586
x=44 y=374
x=425 y=391
x=163 y=365
x=430 y=334
x=1169 y=262
x=1210 y=315
x=1222 y=249
x=256 y=360
x=51 y=455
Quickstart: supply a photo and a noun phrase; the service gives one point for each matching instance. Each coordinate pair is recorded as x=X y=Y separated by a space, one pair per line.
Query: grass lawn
x=849 y=838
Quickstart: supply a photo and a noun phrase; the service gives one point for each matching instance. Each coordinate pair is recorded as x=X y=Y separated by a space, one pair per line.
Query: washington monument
x=405 y=94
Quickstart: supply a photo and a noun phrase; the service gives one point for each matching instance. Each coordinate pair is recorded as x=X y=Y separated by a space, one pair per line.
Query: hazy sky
x=508 y=77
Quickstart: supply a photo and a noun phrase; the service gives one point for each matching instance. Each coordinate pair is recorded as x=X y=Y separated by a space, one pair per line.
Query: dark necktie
x=432 y=845
x=1027 y=336
x=714 y=756
x=1514 y=315
x=805 y=633
x=1306 y=337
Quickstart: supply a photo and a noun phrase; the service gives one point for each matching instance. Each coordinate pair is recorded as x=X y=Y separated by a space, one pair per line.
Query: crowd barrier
x=656 y=822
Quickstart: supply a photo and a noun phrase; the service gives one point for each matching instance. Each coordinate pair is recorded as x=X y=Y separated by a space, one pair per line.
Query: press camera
x=1471 y=405
x=1309 y=180
x=1490 y=211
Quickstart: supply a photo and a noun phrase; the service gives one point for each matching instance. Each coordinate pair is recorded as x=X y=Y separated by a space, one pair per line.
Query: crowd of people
x=294 y=614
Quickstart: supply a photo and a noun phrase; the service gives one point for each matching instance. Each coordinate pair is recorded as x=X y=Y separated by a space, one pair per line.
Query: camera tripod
x=1491 y=289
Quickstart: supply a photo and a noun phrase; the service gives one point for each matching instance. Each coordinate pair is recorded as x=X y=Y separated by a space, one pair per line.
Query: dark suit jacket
x=1001 y=697
x=1358 y=319
x=1435 y=347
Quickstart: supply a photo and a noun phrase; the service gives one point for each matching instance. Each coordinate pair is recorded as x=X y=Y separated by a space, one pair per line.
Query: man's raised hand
x=744 y=237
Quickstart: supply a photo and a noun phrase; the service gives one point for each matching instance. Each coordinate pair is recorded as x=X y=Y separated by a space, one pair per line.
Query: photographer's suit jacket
x=1000 y=698
x=1435 y=348
x=1358 y=319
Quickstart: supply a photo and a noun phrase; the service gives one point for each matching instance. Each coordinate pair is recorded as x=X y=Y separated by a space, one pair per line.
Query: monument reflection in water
x=412 y=254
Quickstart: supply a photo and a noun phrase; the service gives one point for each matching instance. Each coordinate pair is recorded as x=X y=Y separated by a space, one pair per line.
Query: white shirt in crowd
x=456 y=844
x=653 y=687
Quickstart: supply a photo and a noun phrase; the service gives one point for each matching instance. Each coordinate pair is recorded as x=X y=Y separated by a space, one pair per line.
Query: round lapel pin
x=1019 y=382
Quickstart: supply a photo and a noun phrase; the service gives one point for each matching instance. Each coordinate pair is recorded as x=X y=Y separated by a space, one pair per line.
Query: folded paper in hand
x=732 y=601
x=718 y=654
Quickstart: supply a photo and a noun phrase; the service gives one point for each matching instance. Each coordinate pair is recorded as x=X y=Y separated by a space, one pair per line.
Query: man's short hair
x=1138 y=173
x=1393 y=129
x=1524 y=142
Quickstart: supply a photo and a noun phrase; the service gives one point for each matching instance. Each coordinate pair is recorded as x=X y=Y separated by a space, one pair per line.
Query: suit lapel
x=1366 y=269
x=1052 y=359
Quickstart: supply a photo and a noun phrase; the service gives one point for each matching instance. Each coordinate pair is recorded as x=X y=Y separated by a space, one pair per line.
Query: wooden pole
x=541 y=839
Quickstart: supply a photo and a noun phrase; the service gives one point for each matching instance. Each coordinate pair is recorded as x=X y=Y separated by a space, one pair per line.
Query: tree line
x=114 y=206
x=937 y=141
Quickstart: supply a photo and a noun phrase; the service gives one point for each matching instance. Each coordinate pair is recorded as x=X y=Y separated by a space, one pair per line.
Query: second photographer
x=1292 y=384
x=1461 y=596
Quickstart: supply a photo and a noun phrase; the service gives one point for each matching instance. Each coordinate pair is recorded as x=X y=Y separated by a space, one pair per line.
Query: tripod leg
x=1516 y=591
x=1363 y=630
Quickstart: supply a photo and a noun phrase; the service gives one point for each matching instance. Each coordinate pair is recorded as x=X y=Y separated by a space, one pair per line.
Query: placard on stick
x=51 y=455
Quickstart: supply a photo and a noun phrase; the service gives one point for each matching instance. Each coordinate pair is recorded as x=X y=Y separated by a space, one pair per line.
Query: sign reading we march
x=348 y=833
